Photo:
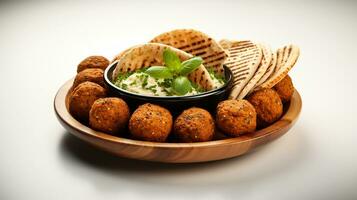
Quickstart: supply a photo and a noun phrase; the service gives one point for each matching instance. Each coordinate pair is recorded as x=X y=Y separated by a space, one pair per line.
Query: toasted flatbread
x=244 y=58
x=121 y=54
x=151 y=54
x=197 y=44
x=269 y=71
x=262 y=68
x=292 y=54
x=285 y=54
x=279 y=59
x=225 y=43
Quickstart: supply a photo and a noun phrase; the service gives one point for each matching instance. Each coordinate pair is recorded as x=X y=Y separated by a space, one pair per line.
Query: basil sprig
x=176 y=70
x=159 y=72
x=190 y=65
x=181 y=85
x=172 y=61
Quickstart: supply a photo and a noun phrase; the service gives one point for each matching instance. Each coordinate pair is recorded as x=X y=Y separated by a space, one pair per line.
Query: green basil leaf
x=190 y=65
x=181 y=85
x=172 y=61
x=159 y=72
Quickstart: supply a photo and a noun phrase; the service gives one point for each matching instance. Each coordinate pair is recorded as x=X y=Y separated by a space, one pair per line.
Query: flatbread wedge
x=151 y=54
x=244 y=58
x=225 y=43
x=262 y=68
x=279 y=59
x=121 y=54
x=269 y=71
x=292 y=54
x=197 y=44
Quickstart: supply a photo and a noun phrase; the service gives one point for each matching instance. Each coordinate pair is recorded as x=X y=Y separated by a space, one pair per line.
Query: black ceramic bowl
x=176 y=104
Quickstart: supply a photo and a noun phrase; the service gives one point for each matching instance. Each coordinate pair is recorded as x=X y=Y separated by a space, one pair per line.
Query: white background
x=42 y=42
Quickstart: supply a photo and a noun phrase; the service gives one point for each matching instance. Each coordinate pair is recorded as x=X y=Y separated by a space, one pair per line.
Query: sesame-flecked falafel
x=285 y=89
x=93 y=62
x=151 y=123
x=268 y=106
x=82 y=99
x=194 y=125
x=94 y=75
x=236 y=117
x=109 y=115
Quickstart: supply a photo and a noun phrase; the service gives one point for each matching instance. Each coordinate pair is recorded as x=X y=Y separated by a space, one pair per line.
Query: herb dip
x=142 y=83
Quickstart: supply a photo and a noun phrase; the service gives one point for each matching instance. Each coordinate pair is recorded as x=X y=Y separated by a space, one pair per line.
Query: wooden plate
x=174 y=152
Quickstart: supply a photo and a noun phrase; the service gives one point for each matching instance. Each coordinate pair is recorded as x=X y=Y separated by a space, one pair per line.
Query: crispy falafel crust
x=93 y=62
x=109 y=115
x=150 y=122
x=82 y=99
x=285 y=89
x=94 y=75
x=236 y=117
x=194 y=125
x=268 y=106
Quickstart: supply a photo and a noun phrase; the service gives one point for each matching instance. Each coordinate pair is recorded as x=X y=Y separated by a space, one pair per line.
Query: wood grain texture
x=174 y=152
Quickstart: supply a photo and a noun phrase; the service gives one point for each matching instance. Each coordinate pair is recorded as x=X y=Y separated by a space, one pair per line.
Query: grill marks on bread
x=244 y=59
x=197 y=44
x=150 y=54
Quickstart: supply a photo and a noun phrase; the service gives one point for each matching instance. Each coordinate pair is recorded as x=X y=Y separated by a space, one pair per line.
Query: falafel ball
x=236 y=117
x=268 y=106
x=109 y=115
x=194 y=125
x=151 y=123
x=82 y=99
x=93 y=62
x=285 y=89
x=94 y=75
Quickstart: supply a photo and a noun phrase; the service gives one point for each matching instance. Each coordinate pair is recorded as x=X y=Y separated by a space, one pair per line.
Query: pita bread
x=262 y=68
x=285 y=55
x=197 y=44
x=279 y=59
x=225 y=44
x=151 y=54
x=121 y=54
x=292 y=54
x=244 y=59
x=269 y=71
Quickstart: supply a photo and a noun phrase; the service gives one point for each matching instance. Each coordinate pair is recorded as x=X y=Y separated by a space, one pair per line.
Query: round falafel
x=236 y=117
x=82 y=99
x=93 y=62
x=150 y=122
x=94 y=75
x=285 y=89
x=109 y=115
x=268 y=106
x=194 y=125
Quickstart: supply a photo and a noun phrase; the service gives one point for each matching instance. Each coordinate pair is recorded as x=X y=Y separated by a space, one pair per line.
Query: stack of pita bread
x=197 y=44
x=254 y=65
x=150 y=54
x=186 y=43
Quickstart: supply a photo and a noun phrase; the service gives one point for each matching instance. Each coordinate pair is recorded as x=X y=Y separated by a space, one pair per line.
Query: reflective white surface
x=42 y=42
